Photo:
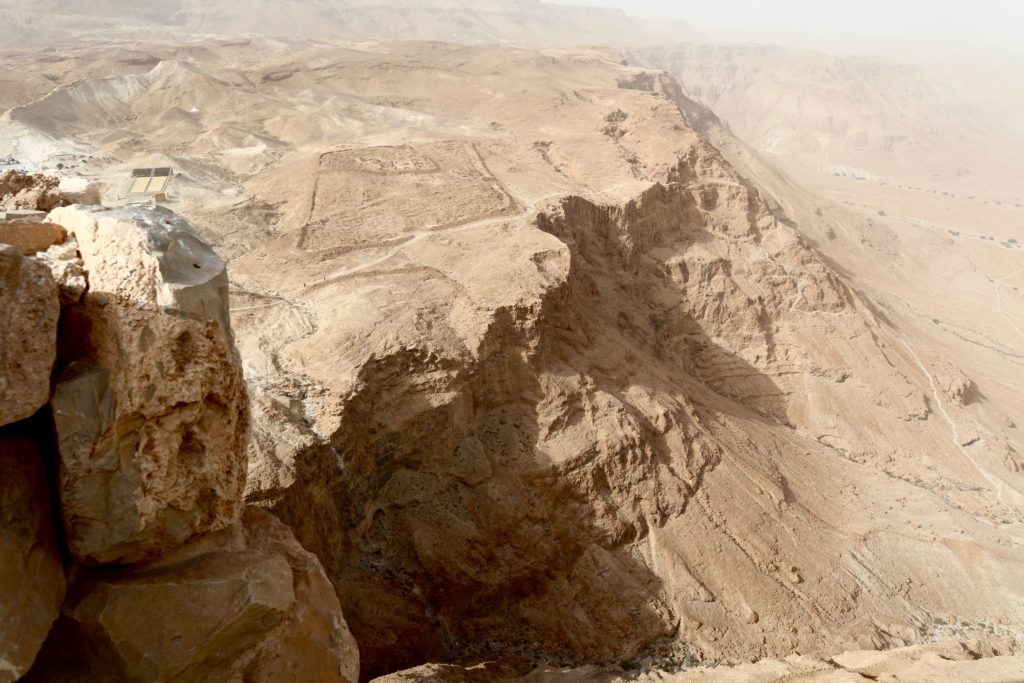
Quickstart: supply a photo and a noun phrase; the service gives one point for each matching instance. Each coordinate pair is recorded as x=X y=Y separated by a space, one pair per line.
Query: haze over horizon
x=984 y=27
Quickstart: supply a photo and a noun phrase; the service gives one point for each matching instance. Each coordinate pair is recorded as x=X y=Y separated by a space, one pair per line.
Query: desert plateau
x=444 y=340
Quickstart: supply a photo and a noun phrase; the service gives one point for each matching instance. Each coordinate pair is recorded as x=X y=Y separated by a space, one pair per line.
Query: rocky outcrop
x=523 y=476
x=151 y=412
x=312 y=642
x=244 y=604
x=31 y=571
x=32 y=191
x=966 y=659
x=651 y=419
x=80 y=191
x=633 y=445
x=29 y=303
x=146 y=433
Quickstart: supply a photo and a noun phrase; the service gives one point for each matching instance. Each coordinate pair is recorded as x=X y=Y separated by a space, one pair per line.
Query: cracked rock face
x=312 y=643
x=31 y=573
x=151 y=411
x=147 y=426
x=243 y=604
x=29 y=302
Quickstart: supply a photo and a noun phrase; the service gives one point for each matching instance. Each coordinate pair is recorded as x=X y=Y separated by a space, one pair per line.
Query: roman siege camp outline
x=382 y=196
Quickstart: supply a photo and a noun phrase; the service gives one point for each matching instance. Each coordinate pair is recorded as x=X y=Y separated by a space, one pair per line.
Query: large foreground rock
x=31 y=574
x=151 y=411
x=29 y=236
x=313 y=643
x=28 y=337
x=245 y=604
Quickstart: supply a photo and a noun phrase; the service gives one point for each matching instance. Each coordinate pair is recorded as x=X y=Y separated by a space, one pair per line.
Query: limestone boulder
x=241 y=604
x=184 y=622
x=29 y=310
x=67 y=270
x=33 y=191
x=150 y=256
x=79 y=191
x=313 y=643
x=150 y=408
x=31 y=573
x=31 y=236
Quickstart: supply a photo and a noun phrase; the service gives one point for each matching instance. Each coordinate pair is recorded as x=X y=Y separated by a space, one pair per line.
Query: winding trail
x=991 y=479
x=998 y=308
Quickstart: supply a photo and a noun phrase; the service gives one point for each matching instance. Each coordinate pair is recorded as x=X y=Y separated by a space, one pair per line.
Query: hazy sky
x=996 y=24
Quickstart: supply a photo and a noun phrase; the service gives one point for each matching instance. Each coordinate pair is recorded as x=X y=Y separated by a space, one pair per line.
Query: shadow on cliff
x=448 y=538
x=676 y=313
x=454 y=522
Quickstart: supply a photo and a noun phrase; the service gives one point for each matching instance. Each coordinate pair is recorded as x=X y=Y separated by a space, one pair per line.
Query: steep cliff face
x=597 y=394
x=632 y=457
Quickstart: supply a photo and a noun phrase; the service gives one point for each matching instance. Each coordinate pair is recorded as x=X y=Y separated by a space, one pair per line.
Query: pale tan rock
x=30 y=236
x=79 y=191
x=150 y=256
x=29 y=310
x=610 y=417
x=32 y=191
x=242 y=604
x=67 y=270
x=955 y=385
x=690 y=364
x=937 y=662
x=152 y=414
x=450 y=673
x=31 y=572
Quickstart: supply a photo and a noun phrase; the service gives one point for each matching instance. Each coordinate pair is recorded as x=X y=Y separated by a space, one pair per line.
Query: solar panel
x=139 y=186
x=150 y=172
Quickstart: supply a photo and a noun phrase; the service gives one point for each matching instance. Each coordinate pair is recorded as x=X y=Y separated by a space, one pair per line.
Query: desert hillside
x=551 y=372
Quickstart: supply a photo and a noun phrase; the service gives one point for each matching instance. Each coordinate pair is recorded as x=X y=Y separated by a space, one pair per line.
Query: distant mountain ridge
x=523 y=22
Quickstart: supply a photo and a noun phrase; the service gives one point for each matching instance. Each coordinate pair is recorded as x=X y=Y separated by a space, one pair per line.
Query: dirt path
x=991 y=479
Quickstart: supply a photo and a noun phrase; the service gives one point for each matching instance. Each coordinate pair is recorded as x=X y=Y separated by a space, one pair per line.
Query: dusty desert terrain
x=550 y=367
